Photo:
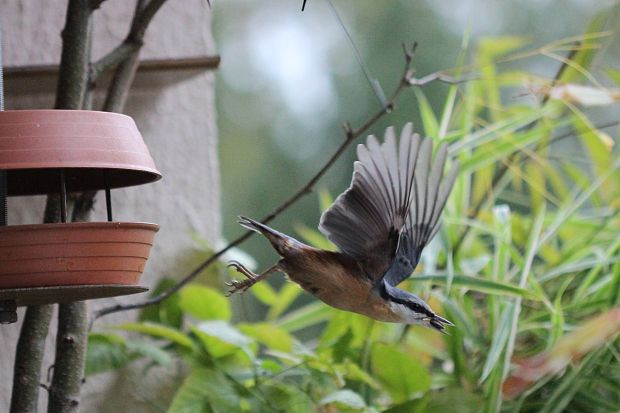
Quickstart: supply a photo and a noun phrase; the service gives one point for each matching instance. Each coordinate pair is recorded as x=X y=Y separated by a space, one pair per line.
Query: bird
x=380 y=225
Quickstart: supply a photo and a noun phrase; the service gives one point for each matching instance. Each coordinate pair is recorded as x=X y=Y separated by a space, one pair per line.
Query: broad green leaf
x=344 y=399
x=285 y=398
x=159 y=331
x=451 y=399
x=402 y=375
x=270 y=335
x=204 y=303
x=225 y=332
x=352 y=371
x=150 y=351
x=108 y=351
x=105 y=352
x=168 y=311
x=205 y=390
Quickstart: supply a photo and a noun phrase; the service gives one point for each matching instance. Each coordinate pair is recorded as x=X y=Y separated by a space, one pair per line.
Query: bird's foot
x=240 y=286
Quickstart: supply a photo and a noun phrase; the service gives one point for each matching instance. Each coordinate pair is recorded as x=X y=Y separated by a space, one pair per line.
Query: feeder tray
x=60 y=151
x=66 y=293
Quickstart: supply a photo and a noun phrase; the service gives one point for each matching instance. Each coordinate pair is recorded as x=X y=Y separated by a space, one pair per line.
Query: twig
x=407 y=79
x=126 y=64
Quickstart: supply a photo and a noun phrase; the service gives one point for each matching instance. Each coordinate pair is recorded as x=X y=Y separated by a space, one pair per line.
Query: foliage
x=526 y=266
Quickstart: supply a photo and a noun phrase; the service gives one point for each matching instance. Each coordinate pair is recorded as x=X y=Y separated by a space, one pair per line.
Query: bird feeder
x=60 y=152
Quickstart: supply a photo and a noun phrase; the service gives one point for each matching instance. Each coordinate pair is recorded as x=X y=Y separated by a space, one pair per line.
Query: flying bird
x=380 y=224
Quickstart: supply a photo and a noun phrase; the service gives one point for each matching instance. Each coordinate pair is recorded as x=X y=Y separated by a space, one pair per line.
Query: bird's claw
x=240 y=286
x=240 y=268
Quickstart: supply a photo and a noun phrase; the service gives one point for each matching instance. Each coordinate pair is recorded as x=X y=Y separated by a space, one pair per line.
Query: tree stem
x=64 y=394
x=28 y=359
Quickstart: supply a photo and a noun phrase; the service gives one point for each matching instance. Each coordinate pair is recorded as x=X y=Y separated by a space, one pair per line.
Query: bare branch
x=350 y=135
x=132 y=43
x=125 y=58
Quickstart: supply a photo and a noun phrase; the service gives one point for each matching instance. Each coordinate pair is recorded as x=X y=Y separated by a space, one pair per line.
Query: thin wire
x=374 y=83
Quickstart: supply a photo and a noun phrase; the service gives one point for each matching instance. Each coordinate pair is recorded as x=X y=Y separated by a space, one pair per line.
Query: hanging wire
x=374 y=83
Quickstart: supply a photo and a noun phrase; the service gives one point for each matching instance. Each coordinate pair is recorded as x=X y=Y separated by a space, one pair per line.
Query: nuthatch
x=381 y=224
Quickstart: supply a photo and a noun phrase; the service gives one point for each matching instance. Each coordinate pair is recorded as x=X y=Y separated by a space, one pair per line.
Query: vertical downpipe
x=8 y=308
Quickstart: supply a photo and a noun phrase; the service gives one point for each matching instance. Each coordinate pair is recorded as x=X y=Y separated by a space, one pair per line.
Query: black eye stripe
x=413 y=306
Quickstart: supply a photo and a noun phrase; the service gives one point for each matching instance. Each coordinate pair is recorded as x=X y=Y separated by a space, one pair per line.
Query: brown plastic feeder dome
x=35 y=143
x=60 y=151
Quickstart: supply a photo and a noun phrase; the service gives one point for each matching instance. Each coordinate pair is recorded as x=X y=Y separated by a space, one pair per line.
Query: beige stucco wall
x=175 y=113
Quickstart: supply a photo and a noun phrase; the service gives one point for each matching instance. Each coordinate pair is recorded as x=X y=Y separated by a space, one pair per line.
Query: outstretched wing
x=430 y=193
x=366 y=220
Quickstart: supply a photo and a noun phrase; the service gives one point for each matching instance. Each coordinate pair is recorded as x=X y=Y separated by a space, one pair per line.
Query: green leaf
x=166 y=312
x=283 y=398
x=264 y=293
x=225 y=332
x=149 y=351
x=270 y=335
x=287 y=294
x=159 y=331
x=314 y=238
x=203 y=391
x=105 y=352
x=306 y=316
x=502 y=331
x=108 y=351
x=613 y=74
x=588 y=48
x=479 y=284
x=204 y=303
x=344 y=399
x=429 y=121
x=402 y=375
x=325 y=199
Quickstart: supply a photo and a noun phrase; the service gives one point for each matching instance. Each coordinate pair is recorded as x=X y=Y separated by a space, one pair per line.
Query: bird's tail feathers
x=282 y=243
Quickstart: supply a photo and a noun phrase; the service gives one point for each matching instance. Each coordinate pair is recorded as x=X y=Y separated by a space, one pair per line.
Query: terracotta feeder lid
x=96 y=150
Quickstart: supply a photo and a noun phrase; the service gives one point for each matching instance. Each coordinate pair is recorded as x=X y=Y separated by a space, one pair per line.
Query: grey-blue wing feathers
x=366 y=220
x=430 y=193
x=391 y=210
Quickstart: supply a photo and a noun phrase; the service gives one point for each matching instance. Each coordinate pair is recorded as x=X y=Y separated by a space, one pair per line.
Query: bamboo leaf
x=159 y=331
x=306 y=316
x=429 y=121
x=479 y=284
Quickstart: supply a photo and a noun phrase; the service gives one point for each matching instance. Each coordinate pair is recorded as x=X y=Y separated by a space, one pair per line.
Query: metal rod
x=63 y=196
x=108 y=196
x=3 y=179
